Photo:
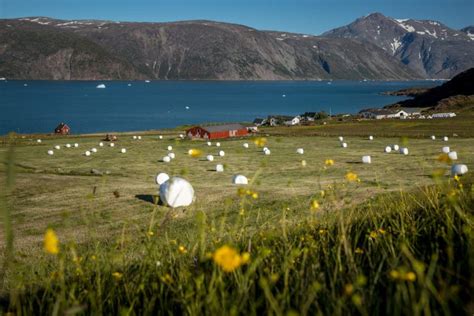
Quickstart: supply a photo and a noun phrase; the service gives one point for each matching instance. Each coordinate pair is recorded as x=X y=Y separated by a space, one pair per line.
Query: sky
x=302 y=16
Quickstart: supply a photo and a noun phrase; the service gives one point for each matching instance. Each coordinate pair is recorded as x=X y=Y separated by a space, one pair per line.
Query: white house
x=294 y=121
x=443 y=115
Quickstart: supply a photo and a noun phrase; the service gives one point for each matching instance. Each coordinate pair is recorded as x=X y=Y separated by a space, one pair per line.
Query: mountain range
x=372 y=47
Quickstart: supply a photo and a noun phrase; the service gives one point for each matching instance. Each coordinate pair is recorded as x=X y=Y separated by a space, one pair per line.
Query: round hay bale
x=246 y=145
x=134 y=137
x=161 y=178
x=221 y=153
x=209 y=144
x=366 y=159
x=139 y=137
x=240 y=179
x=176 y=192
x=50 y=152
x=433 y=137
x=300 y=151
x=123 y=150
x=87 y=153
x=404 y=151
x=181 y=136
x=395 y=147
x=68 y=145
x=219 y=168
x=210 y=158
x=344 y=145
x=445 y=138
x=112 y=145
x=166 y=159
x=218 y=144
x=160 y=136
x=101 y=144
x=57 y=147
x=371 y=137
x=267 y=152
x=94 y=150
x=445 y=149
x=76 y=145
x=458 y=170
x=38 y=140
x=170 y=148
x=341 y=139
x=453 y=155
x=172 y=155
x=388 y=149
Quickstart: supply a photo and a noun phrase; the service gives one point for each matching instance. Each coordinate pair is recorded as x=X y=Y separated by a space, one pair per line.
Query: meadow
x=318 y=233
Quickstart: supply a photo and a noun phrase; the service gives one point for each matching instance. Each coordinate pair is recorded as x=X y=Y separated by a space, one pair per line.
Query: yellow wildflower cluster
x=314 y=205
x=195 y=153
x=117 y=275
x=244 y=192
x=229 y=259
x=260 y=141
x=329 y=162
x=351 y=176
x=182 y=249
x=402 y=275
x=359 y=251
x=51 y=242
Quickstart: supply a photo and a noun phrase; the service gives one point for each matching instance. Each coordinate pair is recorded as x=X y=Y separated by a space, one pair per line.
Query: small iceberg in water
x=147 y=81
x=101 y=86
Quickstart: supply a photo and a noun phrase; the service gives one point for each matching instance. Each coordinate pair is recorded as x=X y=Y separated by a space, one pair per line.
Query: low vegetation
x=318 y=233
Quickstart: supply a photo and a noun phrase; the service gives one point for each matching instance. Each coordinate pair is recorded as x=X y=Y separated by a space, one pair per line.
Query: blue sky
x=305 y=16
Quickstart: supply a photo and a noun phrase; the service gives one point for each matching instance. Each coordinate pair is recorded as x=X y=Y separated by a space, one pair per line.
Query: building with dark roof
x=217 y=131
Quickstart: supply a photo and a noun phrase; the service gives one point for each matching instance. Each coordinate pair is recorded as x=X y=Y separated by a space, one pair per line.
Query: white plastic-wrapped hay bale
x=371 y=137
x=395 y=147
x=210 y=158
x=50 y=152
x=219 y=168
x=459 y=170
x=388 y=149
x=344 y=145
x=170 y=148
x=445 y=138
x=341 y=139
x=218 y=144
x=366 y=159
x=112 y=145
x=166 y=159
x=181 y=136
x=433 y=137
x=300 y=151
x=209 y=144
x=267 y=152
x=76 y=145
x=101 y=144
x=171 y=155
x=246 y=145
x=160 y=136
x=404 y=151
x=240 y=179
x=453 y=155
x=221 y=153
x=68 y=145
x=134 y=137
x=94 y=150
x=445 y=149
x=57 y=147
x=123 y=150
x=161 y=178
x=176 y=192
x=264 y=149
x=139 y=137
x=87 y=153
x=38 y=140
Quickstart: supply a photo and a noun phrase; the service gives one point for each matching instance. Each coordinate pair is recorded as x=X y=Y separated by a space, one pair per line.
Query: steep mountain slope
x=428 y=47
x=469 y=30
x=184 y=50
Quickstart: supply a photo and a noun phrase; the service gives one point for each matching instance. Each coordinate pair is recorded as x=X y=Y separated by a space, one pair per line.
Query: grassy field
x=317 y=242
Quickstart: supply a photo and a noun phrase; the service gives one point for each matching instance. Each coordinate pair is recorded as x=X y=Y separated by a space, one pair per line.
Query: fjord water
x=38 y=106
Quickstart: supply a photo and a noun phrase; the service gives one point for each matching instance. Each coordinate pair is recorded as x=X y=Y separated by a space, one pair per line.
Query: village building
x=259 y=122
x=443 y=115
x=217 y=131
x=291 y=121
x=62 y=129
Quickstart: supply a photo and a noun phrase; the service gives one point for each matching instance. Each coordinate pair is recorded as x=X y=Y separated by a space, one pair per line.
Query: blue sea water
x=38 y=106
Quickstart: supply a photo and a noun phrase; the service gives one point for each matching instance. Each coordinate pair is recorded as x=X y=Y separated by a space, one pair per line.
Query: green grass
x=338 y=259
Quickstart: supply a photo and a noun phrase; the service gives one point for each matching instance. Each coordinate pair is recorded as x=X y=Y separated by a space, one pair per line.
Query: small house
x=259 y=121
x=443 y=115
x=292 y=121
x=217 y=131
x=110 y=138
x=62 y=129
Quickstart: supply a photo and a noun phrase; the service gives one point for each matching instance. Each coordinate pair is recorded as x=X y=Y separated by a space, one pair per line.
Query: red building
x=62 y=129
x=217 y=131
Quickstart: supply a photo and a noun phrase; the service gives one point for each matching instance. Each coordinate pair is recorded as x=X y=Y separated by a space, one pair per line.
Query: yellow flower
x=410 y=276
x=382 y=231
x=394 y=274
x=245 y=257
x=51 y=242
x=373 y=234
x=359 y=250
x=323 y=231
x=351 y=176
x=349 y=289
x=182 y=249
x=314 y=205
x=117 y=275
x=255 y=195
x=227 y=258
x=195 y=153
x=150 y=233
x=456 y=178
x=260 y=141
x=329 y=162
